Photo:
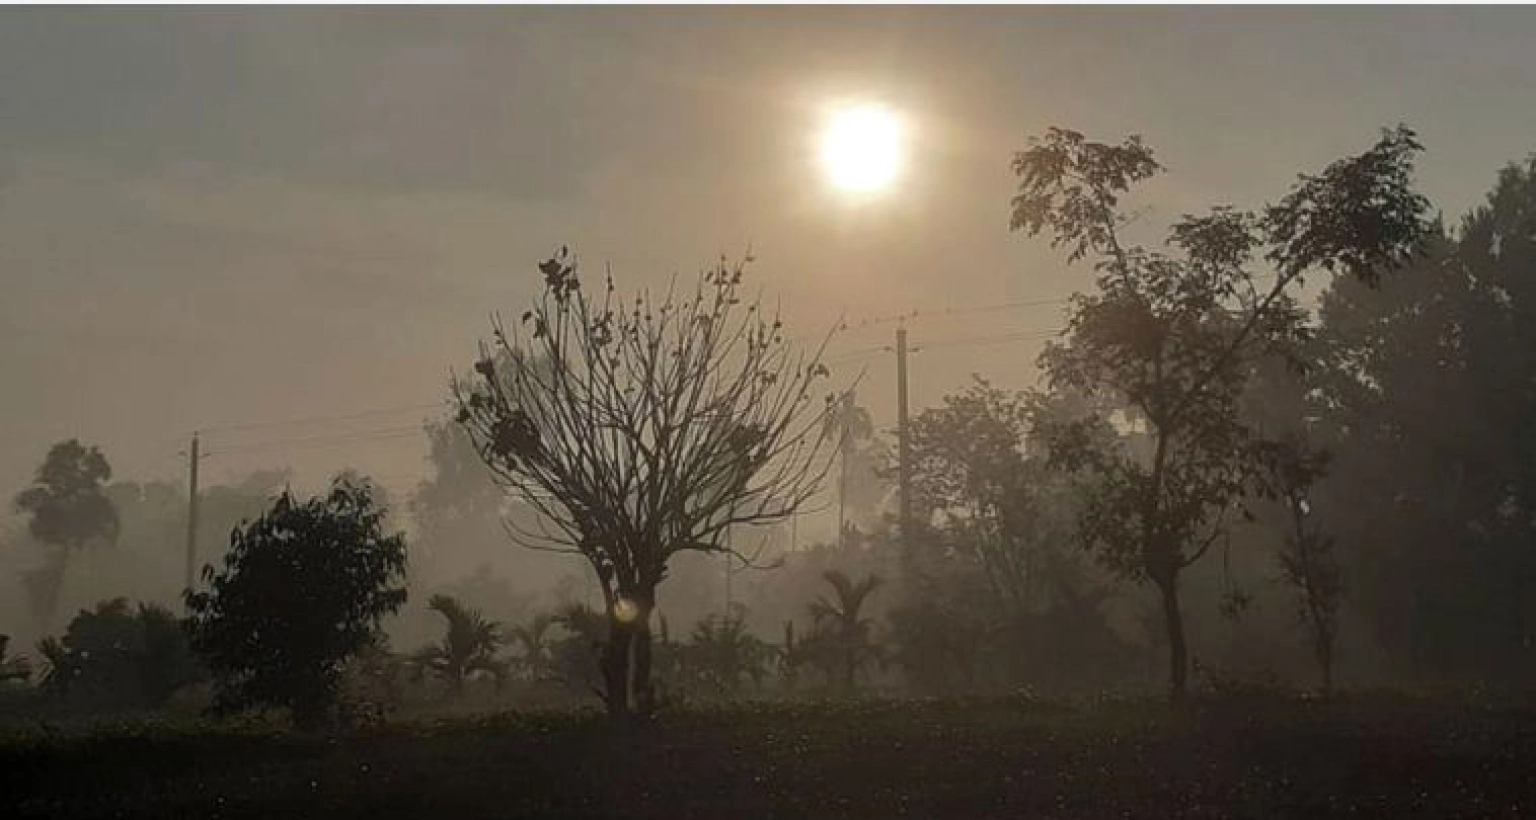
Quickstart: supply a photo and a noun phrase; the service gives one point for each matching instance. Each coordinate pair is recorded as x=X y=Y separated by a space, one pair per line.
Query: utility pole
x=728 y=557
x=842 y=469
x=904 y=472
x=192 y=515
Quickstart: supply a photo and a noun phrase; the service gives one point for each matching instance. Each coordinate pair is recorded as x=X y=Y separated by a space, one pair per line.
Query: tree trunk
x=842 y=491
x=850 y=671
x=627 y=661
x=1178 y=653
x=310 y=702
x=44 y=585
x=1325 y=660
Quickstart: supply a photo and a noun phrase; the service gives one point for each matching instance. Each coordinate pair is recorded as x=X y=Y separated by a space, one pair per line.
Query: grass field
x=1363 y=756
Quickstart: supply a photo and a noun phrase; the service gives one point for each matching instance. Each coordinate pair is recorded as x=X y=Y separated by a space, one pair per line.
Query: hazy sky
x=239 y=216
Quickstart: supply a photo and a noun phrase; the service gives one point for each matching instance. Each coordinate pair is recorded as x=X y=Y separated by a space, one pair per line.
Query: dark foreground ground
x=1364 y=756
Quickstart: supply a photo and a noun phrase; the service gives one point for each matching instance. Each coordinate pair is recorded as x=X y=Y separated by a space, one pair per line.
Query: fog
x=212 y=218
x=1215 y=326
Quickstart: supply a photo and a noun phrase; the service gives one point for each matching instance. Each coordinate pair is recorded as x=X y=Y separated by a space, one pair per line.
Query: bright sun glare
x=862 y=148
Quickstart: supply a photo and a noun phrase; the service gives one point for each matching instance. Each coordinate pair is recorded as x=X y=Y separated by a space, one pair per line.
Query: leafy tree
x=641 y=429
x=68 y=509
x=994 y=593
x=469 y=646
x=373 y=677
x=723 y=655
x=13 y=667
x=302 y=590
x=1426 y=400
x=971 y=478
x=222 y=507
x=533 y=639
x=1282 y=405
x=114 y=655
x=1171 y=336
x=851 y=426
x=965 y=576
x=842 y=633
x=949 y=634
x=1306 y=558
x=459 y=506
x=460 y=486
x=790 y=656
x=577 y=656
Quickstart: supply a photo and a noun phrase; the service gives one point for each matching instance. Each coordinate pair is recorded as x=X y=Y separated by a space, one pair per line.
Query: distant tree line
x=1202 y=441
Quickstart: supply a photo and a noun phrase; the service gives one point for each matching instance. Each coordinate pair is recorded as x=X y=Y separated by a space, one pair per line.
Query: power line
x=315 y=445
x=361 y=414
x=324 y=436
x=855 y=355
x=917 y=314
x=846 y=357
x=989 y=340
x=1003 y=306
x=872 y=352
x=384 y=434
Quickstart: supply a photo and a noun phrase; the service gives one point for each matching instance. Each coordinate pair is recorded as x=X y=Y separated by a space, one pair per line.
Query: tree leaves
x=303 y=587
x=1072 y=186
x=1361 y=215
x=1174 y=338
x=67 y=502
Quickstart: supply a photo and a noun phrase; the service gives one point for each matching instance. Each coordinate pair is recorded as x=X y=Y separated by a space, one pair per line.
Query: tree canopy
x=303 y=588
x=67 y=507
x=643 y=427
x=1426 y=398
x=1171 y=335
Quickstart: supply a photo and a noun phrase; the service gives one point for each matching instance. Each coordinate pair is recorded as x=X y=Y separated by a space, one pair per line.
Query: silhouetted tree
x=303 y=589
x=842 y=632
x=644 y=428
x=13 y=667
x=971 y=478
x=948 y=632
x=994 y=581
x=469 y=646
x=116 y=656
x=723 y=655
x=791 y=657
x=1171 y=337
x=1425 y=399
x=533 y=638
x=68 y=509
x=1307 y=563
x=459 y=506
x=375 y=674
x=577 y=656
x=851 y=427
x=222 y=507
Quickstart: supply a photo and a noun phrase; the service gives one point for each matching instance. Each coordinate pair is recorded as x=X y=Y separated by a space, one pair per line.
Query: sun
x=862 y=148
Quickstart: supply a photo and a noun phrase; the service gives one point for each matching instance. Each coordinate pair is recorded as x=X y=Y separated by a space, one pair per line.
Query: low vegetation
x=1256 y=756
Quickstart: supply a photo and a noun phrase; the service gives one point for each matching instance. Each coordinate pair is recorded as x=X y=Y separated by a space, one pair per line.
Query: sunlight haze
x=214 y=218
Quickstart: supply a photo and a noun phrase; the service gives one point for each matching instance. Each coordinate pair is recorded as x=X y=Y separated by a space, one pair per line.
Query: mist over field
x=1032 y=411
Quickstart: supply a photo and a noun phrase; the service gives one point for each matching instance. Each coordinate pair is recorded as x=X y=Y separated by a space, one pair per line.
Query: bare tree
x=642 y=428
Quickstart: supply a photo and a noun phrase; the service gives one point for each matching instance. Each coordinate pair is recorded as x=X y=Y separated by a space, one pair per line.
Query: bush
x=117 y=657
x=303 y=589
